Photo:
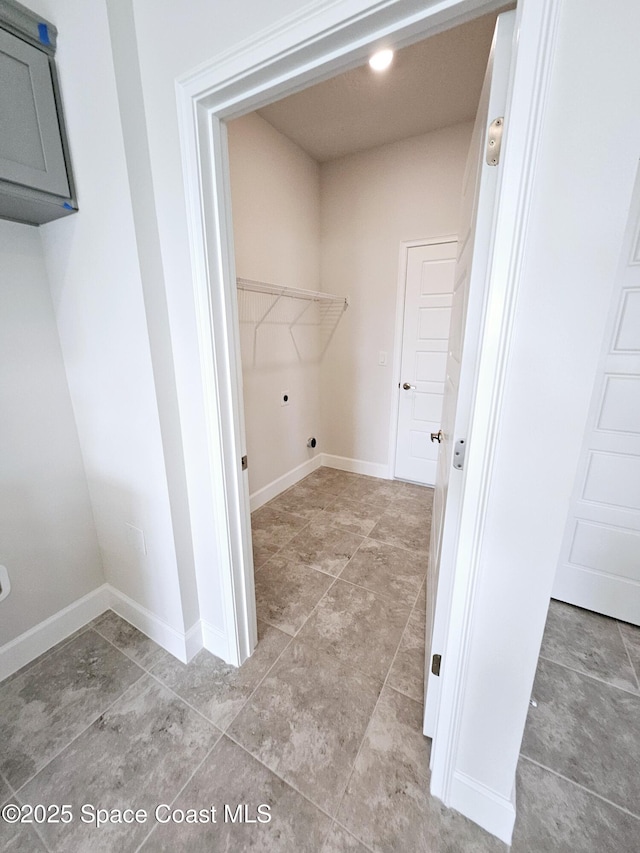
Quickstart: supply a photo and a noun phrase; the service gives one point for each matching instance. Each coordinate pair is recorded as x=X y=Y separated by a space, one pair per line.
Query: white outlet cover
x=135 y=538
x=5 y=583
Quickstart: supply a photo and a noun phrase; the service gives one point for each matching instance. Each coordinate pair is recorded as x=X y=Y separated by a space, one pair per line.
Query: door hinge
x=436 y=660
x=494 y=141
x=458 y=454
x=244 y=463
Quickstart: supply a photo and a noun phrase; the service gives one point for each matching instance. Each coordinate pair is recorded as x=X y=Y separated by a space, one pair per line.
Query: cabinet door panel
x=30 y=147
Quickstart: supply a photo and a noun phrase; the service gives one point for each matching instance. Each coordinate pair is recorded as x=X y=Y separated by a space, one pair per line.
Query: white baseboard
x=275 y=487
x=42 y=637
x=181 y=645
x=493 y=812
x=37 y=640
x=356 y=466
x=215 y=641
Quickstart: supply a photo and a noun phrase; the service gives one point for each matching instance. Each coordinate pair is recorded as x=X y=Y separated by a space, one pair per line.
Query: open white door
x=467 y=318
x=600 y=560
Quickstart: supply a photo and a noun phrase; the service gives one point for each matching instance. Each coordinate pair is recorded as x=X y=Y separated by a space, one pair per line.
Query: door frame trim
x=309 y=46
x=398 y=335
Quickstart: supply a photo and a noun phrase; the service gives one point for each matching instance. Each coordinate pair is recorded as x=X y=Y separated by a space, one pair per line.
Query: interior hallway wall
x=48 y=539
x=94 y=273
x=275 y=189
x=371 y=202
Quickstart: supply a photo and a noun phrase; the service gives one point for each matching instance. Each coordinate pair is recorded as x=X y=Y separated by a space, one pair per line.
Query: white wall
x=275 y=189
x=371 y=202
x=47 y=535
x=94 y=273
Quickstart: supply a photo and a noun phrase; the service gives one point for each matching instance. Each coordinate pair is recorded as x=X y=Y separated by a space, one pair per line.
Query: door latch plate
x=494 y=141
x=458 y=454
x=244 y=463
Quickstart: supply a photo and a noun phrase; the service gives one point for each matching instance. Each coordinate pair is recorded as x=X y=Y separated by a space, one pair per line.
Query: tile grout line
x=581 y=787
x=627 y=690
x=368 y=726
x=626 y=648
x=282 y=779
x=74 y=739
x=198 y=766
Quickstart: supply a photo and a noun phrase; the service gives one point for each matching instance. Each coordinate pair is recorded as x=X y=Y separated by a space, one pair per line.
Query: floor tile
x=262 y=553
x=387 y=804
x=272 y=528
x=19 y=838
x=410 y=528
x=555 y=816
x=421 y=601
x=215 y=688
x=323 y=547
x=421 y=494
x=631 y=638
x=407 y=670
x=55 y=699
x=229 y=777
x=138 y=754
x=373 y=489
x=355 y=516
x=587 y=731
x=331 y=480
x=387 y=570
x=5 y=792
x=129 y=640
x=357 y=627
x=587 y=642
x=341 y=841
x=302 y=499
x=306 y=721
x=286 y=593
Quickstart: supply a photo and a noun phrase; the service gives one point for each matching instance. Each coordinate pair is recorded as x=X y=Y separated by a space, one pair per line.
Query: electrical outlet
x=135 y=539
x=285 y=398
x=382 y=358
x=5 y=583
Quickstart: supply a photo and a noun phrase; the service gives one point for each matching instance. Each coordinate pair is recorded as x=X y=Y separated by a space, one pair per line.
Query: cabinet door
x=30 y=146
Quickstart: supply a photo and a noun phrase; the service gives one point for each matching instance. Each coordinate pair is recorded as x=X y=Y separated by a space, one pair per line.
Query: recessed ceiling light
x=381 y=60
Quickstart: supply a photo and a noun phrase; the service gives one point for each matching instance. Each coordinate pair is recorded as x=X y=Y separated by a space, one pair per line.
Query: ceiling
x=431 y=84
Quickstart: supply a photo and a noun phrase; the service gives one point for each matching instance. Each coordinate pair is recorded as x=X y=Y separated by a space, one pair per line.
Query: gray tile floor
x=323 y=722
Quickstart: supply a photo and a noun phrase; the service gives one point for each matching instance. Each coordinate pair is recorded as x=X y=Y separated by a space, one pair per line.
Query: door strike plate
x=244 y=463
x=436 y=660
x=494 y=141
x=458 y=454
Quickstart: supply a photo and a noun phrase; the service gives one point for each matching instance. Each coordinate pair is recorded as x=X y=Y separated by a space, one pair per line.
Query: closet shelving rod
x=294 y=292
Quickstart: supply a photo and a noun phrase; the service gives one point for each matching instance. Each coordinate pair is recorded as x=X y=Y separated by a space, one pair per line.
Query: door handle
x=437 y=436
x=408 y=387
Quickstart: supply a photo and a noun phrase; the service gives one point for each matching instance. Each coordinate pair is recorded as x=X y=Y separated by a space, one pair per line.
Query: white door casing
x=425 y=333
x=599 y=566
x=315 y=44
x=467 y=317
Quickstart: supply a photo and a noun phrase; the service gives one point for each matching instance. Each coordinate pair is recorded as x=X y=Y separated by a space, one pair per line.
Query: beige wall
x=346 y=218
x=48 y=539
x=275 y=188
x=370 y=203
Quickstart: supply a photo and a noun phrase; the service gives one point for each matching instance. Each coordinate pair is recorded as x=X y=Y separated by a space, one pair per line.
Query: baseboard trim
x=275 y=487
x=181 y=645
x=215 y=640
x=42 y=637
x=493 y=812
x=356 y=466
x=37 y=640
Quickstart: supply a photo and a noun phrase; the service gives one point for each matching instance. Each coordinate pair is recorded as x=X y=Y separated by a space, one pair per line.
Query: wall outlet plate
x=5 y=583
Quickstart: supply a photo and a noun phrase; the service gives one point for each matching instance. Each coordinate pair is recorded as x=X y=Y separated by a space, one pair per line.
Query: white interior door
x=425 y=334
x=467 y=318
x=600 y=559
